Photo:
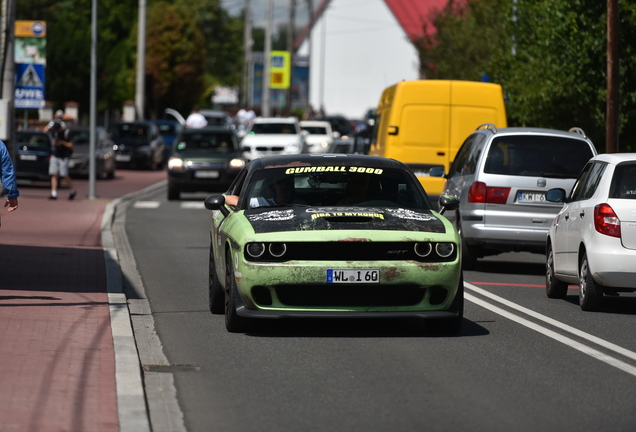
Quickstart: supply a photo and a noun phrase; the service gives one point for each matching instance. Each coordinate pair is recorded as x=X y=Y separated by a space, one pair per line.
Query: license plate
x=530 y=197
x=28 y=157
x=206 y=174
x=122 y=158
x=353 y=276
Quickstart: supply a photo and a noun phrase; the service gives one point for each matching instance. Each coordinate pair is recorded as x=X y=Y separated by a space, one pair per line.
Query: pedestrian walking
x=196 y=120
x=7 y=174
x=58 y=164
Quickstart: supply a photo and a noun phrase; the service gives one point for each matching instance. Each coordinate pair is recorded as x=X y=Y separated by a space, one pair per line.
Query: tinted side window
x=467 y=157
x=624 y=182
x=586 y=188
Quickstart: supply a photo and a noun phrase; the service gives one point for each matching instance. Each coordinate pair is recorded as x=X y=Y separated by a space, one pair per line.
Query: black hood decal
x=267 y=220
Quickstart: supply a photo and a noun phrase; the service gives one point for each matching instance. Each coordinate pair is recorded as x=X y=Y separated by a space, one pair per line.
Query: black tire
x=451 y=325
x=173 y=192
x=469 y=253
x=111 y=174
x=215 y=290
x=554 y=288
x=234 y=323
x=590 y=292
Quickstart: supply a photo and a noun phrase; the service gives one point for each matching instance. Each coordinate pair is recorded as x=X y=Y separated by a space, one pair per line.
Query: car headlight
x=255 y=250
x=292 y=147
x=277 y=250
x=324 y=144
x=423 y=249
x=175 y=163
x=444 y=250
x=237 y=163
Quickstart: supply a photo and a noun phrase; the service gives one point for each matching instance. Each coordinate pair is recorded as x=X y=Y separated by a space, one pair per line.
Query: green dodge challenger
x=332 y=236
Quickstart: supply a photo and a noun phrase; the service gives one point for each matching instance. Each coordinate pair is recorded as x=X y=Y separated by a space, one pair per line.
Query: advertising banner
x=30 y=64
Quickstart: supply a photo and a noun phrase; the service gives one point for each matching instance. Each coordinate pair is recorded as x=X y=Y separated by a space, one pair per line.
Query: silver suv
x=501 y=177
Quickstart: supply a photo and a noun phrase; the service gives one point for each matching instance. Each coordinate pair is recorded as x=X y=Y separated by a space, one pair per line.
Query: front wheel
x=590 y=292
x=234 y=323
x=554 y=288
x=215 y=290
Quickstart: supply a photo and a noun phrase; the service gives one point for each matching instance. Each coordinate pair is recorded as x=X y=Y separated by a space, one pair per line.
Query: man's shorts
x=58 y=166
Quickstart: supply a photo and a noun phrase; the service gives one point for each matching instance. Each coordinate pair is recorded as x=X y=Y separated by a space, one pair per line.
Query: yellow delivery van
x=424 y=123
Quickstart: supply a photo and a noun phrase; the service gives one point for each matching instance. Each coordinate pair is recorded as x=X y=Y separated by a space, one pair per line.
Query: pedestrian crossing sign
x=280 y=70
x=29 y=85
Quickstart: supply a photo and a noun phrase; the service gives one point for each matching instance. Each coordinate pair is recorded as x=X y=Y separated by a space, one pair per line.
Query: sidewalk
x=56 y=342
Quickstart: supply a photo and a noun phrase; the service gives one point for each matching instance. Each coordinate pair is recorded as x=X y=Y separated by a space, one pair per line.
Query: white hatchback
x=592 y=241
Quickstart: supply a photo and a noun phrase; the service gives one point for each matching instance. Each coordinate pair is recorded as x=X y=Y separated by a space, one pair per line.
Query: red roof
x=416 y=16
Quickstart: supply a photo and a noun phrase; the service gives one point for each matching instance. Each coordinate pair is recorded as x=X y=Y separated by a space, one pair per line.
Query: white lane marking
x=605 y=344
x=147 y=204
x=192 y=205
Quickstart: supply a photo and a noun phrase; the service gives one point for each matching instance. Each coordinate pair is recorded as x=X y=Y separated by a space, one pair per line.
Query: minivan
x=501 y=177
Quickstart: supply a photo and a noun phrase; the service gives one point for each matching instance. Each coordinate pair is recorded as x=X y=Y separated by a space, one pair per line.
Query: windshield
x=273 y=128
x=33 y=140
x=315 y=130
x=80 y=137
x=168 y=129
x=537 y=156
x=130 y=130
x=276 y=187
x=208 y=141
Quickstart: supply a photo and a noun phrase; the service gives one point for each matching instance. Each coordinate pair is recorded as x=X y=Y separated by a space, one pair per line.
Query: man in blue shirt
x=7 y=174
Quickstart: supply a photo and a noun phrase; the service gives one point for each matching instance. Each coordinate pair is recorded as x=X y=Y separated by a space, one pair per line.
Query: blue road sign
x=29 y=85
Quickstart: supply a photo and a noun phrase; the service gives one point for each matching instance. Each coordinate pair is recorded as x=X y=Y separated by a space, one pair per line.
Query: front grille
x=352 y=251
x=344 y=295
x=270 y=149
x=208 y=165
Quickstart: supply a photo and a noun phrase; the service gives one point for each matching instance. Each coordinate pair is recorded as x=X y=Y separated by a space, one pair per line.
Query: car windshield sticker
x=339 y=168
x=349 y=218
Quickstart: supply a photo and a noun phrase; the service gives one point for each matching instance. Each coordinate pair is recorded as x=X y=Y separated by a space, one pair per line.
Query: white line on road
x=552 y=334
x=192 y=205
x=147 y=204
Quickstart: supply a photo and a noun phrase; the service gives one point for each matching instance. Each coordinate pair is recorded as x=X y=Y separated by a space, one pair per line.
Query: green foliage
x=556 y=77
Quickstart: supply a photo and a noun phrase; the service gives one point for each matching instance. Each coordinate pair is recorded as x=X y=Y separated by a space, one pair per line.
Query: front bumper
x=300 y=289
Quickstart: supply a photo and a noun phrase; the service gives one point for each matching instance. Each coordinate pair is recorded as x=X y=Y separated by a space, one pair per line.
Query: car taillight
x=480 y=193
x=606 y=222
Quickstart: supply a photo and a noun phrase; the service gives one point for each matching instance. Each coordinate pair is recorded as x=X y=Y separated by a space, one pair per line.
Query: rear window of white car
x=624 y=182
x=537 y=156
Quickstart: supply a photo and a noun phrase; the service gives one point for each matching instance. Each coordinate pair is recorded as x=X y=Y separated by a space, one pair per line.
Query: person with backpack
x=62 y=151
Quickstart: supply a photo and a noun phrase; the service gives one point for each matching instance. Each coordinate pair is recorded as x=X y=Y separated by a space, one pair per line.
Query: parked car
x=168 y=129
x=501 y=177
x=318 y=236
x=138 y=145
x=268 y=136
x=592 y=241
x=78 y=165
x=206 y=159
x=320 y=136
x=34 y=150
x=344 y=140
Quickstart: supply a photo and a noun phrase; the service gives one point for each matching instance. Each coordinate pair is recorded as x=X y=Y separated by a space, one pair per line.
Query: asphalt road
x=522 y=362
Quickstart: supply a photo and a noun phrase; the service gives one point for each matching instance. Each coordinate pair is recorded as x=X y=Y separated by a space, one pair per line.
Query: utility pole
x=93 y=104
x=247 y=48
x=265 y=102
x=7 y=74
x=141 y=60
x=310 y=9
x=612 y=112
x=290 y=48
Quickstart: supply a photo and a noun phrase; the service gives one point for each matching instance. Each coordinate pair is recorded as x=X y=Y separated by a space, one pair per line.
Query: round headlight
x=277 y=249
x=255 y=250
x=423 y=249
x=444 y=249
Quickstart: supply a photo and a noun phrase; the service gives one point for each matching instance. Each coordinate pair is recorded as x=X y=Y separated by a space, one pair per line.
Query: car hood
x=343 y=218
x=318 y=139
x=267 y=139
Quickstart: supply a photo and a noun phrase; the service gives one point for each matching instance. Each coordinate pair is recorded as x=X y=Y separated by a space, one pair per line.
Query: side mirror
x=556 y=195
x=437 y=172
x=216 y=202
x=448 y=202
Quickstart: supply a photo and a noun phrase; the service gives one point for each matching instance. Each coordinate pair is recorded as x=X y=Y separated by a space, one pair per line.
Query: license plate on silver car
x=530 y=197
x=353 y=276
x=206 y=174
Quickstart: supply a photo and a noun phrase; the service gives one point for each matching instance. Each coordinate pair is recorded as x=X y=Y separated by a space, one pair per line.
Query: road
x=522 y=362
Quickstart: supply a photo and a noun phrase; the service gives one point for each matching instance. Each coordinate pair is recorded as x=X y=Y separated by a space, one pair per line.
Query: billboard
x=30 y=64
